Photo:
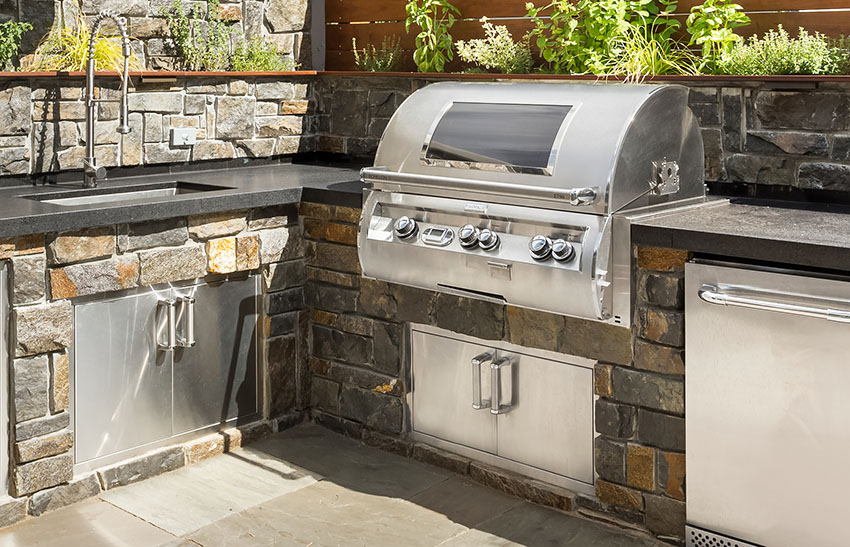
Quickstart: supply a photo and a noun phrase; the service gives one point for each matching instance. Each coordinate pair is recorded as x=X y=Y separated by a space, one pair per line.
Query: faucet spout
x=91 y=172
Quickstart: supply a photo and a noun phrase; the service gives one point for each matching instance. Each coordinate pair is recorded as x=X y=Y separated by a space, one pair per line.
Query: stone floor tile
x=93 y=523
x=194 y=496
x=529 y=524
x=352 y=465
x=465 y=502
x=327 y=514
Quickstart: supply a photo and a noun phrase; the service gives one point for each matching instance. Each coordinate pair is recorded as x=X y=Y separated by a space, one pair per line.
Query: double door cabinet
x=506 y=405
x=151 y=365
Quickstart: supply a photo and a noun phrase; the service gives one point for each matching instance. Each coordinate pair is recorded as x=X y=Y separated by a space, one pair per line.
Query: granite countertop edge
x=791 y=235
x=242 y=188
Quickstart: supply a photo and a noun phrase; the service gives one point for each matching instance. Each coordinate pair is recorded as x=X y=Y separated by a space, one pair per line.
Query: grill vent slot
x=702 y=538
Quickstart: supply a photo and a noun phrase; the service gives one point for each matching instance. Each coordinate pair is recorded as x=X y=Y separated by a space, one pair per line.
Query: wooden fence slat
x=349 y=11
x=338 y=37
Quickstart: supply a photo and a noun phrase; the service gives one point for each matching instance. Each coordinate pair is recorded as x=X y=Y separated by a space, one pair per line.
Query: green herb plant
x=11 y=33
x=433 y=42
x=779 y=53
x=497 y=51
x=201 y=43
x=711 y=26
x=587 y=36
x=372 y=59
x=258 y=55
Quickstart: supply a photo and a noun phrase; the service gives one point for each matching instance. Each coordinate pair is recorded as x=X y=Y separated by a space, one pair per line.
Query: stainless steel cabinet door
x=443 y=392
x=216 y=379
x=768 y=415
x=122 y=382
x=547 y=416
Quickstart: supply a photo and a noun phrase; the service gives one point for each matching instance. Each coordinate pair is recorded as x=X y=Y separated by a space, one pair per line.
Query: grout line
x=137 y=517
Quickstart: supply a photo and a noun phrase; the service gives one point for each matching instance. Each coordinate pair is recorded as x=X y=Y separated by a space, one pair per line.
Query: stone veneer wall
x=357 y=340
x=285 y=22
x=42 y=122
x=786 y=134
x=47 y=270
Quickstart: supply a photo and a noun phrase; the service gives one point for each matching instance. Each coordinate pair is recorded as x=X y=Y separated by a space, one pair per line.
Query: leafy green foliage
x=66 y=48
x=433 y=43
x=497 y=51
x=642 y=55
x=199 y=46
x=586 y=36
x=779 y=53
x=10 y=42
x=711 y=26
x=372 y=59
x=258 y=55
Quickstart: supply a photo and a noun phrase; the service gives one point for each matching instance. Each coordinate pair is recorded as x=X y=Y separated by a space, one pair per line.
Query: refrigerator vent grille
x=701 y=538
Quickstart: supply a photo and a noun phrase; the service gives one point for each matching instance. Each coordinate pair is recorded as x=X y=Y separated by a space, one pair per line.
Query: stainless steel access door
x=122 y=382
x=215 y=378
x=768 y=413
x=443 y=395
x=547 y=416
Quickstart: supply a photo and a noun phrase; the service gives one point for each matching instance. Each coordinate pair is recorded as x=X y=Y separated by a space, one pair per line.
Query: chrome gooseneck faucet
x=91 y=172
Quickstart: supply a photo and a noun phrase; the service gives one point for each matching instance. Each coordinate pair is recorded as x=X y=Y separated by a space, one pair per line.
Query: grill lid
x=596 y=148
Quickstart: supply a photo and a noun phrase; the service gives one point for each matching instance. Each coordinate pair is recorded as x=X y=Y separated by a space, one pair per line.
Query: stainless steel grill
x=524 y=193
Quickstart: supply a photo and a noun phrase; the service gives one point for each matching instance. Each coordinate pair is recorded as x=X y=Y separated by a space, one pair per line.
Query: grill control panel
x=506 y=254
x=541 y=247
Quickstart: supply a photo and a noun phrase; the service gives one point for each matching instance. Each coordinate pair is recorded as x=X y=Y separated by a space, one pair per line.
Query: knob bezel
x=407 y=232
x=544 y=252
x=468 y=244
x=482 y=239
x=563 y=250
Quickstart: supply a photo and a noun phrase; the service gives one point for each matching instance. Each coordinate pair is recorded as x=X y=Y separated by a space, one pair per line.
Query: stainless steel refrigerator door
x=443 y=392
x=216 y=379
x=4 y=377
x=122 y=381
x=546 y=418
x=768 y=414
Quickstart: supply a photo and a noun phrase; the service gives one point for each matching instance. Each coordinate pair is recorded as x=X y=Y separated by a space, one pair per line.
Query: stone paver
x=92 y=523
x=309 y=486
x=197 y=495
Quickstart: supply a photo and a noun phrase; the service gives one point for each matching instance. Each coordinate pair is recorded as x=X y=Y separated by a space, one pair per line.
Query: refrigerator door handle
x=775 y=302
x=187 y=308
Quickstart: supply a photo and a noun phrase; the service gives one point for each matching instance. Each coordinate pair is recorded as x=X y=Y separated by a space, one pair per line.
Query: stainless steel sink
x=123 y=194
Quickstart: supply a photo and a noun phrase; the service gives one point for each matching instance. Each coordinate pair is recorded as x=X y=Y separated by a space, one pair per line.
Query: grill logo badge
x=473 y=207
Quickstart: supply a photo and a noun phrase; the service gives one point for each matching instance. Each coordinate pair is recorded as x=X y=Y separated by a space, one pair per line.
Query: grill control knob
x=488 y=240
x=405 y=227
x=468 y=236
x=540 y=247
x=563 y=250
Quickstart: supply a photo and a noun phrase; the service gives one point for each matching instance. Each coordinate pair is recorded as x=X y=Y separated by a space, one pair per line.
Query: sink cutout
x=123 y=194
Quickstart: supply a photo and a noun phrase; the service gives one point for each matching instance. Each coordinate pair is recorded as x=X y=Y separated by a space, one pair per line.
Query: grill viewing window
x=511 y=136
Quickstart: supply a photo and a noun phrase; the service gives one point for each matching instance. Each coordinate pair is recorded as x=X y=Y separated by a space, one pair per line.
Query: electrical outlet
x=183 y=136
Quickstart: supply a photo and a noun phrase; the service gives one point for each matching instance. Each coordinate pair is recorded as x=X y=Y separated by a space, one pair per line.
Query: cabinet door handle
x=496 y=406
x=187 y=304
x=167 y=312
x=477 y=402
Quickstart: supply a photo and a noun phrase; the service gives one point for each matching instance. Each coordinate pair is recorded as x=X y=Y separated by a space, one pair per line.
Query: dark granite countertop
x=783 y=233
x=242 y=188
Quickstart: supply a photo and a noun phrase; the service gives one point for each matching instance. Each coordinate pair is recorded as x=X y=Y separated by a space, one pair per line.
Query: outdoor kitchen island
x=333 y=342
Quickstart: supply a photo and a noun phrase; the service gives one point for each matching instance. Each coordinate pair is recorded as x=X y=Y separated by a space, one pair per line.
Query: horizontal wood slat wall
x=369 y=21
